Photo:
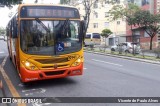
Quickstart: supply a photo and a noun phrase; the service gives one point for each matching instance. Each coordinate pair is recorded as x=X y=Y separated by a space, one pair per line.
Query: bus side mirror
x=14 y=28
x=83 y=30
x=14 y=35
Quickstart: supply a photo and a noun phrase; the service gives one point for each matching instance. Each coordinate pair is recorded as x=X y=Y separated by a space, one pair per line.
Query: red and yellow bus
x=45 y=42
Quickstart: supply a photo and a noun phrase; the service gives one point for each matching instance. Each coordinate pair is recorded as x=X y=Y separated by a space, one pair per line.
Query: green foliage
x=10 y=2
x=147 y=21
x=64 y=1
x=106 y=32
x=119 y=11
x=116 y=12
x=87 y=4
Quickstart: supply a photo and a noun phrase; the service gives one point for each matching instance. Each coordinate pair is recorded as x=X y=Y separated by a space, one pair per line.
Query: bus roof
x=21 y=5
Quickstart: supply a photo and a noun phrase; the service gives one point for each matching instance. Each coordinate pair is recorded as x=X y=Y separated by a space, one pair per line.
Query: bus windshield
x=43 y=37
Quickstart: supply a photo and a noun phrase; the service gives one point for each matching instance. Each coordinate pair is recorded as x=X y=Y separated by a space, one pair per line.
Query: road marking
x=9 y=83
x=1 y=52
x=4 y=61
x=43 y=104
x=33 y=91
x=53 y=99
x=107 y=62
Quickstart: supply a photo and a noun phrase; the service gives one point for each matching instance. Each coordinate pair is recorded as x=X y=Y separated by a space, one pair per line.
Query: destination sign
x=48 y=12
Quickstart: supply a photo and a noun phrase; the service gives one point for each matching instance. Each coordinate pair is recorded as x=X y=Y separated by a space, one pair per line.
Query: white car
x=2 y=37
x=127 y=47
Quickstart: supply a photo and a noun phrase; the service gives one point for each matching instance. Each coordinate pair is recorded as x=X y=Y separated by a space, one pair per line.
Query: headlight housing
x=78 y=61
x=30 y=66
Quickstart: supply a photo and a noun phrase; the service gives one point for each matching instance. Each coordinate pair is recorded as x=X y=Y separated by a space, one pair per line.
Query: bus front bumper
x=28 y=75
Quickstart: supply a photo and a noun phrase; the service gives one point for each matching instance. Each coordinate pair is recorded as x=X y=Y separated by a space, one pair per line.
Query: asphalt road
x=103 y=76
x=3 y=49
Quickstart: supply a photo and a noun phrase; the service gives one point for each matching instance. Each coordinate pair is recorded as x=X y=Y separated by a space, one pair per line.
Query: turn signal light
x=29 y=65
x=78 y=61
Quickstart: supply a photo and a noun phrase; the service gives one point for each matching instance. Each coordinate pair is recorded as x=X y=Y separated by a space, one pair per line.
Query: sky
x=4 y=16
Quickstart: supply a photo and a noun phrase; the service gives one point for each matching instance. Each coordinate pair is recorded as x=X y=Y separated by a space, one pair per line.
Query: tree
x=148 y=22
x=105 y=33
x=119 y=11
x=8 y=3
x=64 y=1
x=88 y=4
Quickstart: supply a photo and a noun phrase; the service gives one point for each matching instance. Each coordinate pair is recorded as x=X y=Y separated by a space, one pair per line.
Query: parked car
x=127 y=47
x=2 y=37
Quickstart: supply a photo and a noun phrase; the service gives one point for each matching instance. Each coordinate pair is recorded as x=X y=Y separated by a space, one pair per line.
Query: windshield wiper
x=41 y=23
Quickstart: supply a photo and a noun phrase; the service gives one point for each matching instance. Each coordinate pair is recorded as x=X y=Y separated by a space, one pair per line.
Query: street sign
x=60 y=47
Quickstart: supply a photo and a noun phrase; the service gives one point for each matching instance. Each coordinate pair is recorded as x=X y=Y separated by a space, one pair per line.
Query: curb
x=129 y=58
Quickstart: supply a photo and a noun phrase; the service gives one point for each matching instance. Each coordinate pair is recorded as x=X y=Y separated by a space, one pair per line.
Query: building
x=157 y=5
x=139 y=35
x=100 y=18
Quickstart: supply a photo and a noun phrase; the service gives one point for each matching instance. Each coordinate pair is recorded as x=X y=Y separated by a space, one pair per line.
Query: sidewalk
x=108 y=53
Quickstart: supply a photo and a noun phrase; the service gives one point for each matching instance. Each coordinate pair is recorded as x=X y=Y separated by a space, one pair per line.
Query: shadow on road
x=49 y=83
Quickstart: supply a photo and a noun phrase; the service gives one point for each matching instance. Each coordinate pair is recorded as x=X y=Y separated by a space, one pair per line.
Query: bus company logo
x=71 y=57
x=55 y=66
x=6 y=100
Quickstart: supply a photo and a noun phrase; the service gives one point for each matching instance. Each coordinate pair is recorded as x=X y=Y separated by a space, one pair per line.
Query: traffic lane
x=3 y=46
x=93 y=83
x=142 y=69
x=118 y=82
x=58 y=88
x=99 y=80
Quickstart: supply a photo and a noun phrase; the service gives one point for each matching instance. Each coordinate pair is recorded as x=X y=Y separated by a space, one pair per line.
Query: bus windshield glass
x=41 y=37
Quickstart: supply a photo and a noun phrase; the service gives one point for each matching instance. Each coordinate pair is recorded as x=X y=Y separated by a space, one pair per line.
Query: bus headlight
x=77 y=62
x=29 y=65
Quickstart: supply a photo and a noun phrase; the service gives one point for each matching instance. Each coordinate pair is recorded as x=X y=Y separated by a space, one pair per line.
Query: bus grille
x=51 y=66
x=52 y=61
x=55 y=72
